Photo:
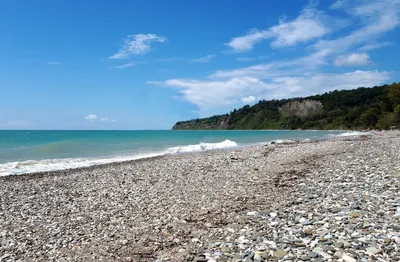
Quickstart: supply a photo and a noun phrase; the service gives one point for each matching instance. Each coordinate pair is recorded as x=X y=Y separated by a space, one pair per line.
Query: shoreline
x=262 y=201
x=165 y=154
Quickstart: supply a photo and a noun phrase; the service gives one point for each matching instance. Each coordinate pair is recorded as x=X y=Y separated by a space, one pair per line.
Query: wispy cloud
x=339 y=4
x=355 y=59
x=310 y=24
x=138 y=44
x=204 y=59
x=373 y=46
x=106 y=119
x=54 y=63
x=126 y=65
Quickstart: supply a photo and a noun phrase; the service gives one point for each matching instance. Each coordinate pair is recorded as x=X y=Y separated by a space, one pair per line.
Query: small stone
x=348 y=258
x=354 y=214
x=338 y=254
x=299 y=244
x=308 y=232
x=273 y=215
x=241 y=246
x=346 y=244
x=313 y=254
x=387 y=240
x=396 y=227
x=257 y=258
x=279 y=254
x=124 y=242
x=339 y=244
x=195 y=240
x=305 y=221
x=373 y=250
x=200 y=259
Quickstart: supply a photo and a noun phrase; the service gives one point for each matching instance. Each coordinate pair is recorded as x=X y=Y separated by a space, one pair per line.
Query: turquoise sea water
x=34 y=151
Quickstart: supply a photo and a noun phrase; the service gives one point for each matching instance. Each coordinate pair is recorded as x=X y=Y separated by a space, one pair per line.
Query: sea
x=29 y=151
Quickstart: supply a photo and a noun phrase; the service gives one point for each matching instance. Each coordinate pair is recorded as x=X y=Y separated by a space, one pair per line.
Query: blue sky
x=147 y=64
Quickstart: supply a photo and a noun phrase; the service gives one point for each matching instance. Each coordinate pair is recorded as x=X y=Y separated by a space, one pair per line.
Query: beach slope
x=324 y=200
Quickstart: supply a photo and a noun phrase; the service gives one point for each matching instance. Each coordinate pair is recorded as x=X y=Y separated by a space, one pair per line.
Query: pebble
x=280 y=253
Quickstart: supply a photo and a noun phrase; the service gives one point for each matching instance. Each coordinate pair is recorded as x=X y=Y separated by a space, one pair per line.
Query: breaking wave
x=45 y=165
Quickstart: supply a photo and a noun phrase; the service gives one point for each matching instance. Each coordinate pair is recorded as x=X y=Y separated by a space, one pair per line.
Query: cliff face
x=301 y=108
x=346 y=109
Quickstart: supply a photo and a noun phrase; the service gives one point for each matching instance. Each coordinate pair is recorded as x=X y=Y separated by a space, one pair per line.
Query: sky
x=146 y=64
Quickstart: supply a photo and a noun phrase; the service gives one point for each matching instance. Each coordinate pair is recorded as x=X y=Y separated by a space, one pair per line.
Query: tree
x=369 y=118
x=394 y=94
x=386 y=121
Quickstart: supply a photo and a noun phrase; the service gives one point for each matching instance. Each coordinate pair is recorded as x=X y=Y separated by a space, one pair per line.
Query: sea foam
x=201 y=147
x=45 y=165
x=351 y=133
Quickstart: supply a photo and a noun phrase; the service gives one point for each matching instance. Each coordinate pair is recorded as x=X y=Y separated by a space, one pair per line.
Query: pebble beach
x=329 y=200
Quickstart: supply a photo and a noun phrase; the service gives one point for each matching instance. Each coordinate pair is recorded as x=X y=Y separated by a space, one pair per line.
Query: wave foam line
x=33 y=166
x=351 y=133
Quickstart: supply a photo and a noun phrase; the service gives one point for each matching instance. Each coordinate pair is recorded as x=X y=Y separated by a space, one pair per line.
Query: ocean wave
x=45 y=165
x=283 y=141
x=201 y=147
x=350 y=133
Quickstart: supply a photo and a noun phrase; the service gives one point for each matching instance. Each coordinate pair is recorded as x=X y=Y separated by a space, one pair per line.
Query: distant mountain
x=361 y=108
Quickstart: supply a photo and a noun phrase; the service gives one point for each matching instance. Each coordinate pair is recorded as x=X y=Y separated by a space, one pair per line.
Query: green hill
x=361 y=108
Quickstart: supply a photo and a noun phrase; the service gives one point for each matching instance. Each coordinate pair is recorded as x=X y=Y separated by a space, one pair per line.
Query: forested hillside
x=362 y=108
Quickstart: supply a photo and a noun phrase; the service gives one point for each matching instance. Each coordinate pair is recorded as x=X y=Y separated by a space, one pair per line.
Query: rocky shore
x=331 y=200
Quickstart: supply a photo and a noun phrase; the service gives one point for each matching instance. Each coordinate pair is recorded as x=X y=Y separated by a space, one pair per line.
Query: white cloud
x=17 y=124
x=204 y=59
x=355 y=59
x=91 y=117
x=106 y=119
x=310 y=24
x=54 y=63
x=248 y=99
x=338 y=4
x=137 y=45
x=126 y=65
x=369 y=47
x=210 y=94
x=246 y=42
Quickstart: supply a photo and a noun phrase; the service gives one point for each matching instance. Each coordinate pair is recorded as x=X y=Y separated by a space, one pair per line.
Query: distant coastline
x=376 y=108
